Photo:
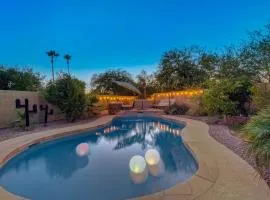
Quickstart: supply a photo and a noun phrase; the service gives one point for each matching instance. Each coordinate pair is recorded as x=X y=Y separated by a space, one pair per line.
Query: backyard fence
x=9 y=112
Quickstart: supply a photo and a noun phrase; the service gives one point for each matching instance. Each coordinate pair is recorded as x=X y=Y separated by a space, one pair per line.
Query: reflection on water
x=139 y=178
x=156 y=170
x=66 y=166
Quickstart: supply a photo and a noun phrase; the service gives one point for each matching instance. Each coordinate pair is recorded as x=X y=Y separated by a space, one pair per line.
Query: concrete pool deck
x=222 y=175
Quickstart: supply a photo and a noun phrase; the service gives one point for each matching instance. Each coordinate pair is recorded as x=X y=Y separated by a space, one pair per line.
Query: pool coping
x=197 y=186
x=205 y=176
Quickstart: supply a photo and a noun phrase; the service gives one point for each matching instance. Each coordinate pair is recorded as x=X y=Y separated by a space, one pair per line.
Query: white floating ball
x=137 y=164
x=82 y=149
x=152 y=157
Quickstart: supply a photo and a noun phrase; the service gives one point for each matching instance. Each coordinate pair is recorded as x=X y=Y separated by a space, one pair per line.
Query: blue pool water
x=54 y=170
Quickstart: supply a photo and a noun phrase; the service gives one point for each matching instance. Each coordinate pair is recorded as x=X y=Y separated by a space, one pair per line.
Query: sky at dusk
x=127 y=34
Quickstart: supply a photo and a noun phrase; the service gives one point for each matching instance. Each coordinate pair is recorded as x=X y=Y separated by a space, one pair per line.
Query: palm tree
x=52 y=54
x=67 y=57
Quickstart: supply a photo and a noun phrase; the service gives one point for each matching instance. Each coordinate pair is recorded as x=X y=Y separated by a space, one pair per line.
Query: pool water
x=99 y=169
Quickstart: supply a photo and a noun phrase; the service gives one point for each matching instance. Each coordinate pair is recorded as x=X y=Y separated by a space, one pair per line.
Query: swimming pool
x=99 y=164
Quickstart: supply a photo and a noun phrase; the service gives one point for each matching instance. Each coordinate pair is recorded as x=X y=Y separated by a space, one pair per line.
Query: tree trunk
x=144 y=92
x=52 y=69
x=68 y=67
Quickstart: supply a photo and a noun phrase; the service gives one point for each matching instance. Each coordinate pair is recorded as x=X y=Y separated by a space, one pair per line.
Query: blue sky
x=128 y=34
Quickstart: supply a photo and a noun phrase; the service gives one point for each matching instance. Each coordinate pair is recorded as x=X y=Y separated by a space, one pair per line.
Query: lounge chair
x=128 y=107
x=164 y=103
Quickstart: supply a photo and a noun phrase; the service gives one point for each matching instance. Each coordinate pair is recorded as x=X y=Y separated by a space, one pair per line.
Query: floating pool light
x=82 y=149
x=137 y=164
x=152 y=157
x=138 y=169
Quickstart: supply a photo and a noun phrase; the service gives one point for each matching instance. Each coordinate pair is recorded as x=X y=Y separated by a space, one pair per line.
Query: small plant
x=176 y=109
x=20 y=121
x=257 y=132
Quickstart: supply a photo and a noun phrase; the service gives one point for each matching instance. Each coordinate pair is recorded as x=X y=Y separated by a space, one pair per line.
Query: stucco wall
x=8 y=110
x=192 y=102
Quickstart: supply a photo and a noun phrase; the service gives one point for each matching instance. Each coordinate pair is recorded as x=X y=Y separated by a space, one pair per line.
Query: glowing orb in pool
x=137 y=164
x=152 y=157
x=82 y=149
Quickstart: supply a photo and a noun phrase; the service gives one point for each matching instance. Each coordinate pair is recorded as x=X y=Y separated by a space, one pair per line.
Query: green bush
x=258 y=134
x=260 y=96
x=227 y=97
x=92 y=106
x=176 y=109
x=24 y=79
x=68 y=94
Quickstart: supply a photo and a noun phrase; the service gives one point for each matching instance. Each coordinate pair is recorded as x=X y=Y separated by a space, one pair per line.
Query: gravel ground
x=8 y=133
x=223 y=135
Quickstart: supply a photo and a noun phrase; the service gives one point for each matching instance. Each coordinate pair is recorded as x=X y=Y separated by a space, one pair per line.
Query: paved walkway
x=236 y=179
x=222 y=175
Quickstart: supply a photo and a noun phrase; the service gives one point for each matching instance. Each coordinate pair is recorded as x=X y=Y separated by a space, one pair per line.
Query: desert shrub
x=68 y=94
x=258 y=133
x=176 y=109
x=260 y=96
x=227 y=97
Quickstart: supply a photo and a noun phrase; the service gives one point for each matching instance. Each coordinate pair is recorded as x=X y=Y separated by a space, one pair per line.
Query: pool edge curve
x=206 y=174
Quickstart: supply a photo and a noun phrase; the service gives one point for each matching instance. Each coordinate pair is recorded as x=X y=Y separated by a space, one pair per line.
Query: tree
x=53 y=55
x=147 y=84
x=143 y=80
x=20 y=79
x=255 y=54
x=179 y=69
x=67 y=57
x=208 y=63
x=68 y=94
x=103 y=83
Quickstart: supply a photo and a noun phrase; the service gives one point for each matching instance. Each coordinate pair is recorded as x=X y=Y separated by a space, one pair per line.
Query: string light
x=179 y=93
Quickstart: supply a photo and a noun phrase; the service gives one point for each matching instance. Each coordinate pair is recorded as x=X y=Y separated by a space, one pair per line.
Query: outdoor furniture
x=114 y=108
x=128 y=107
x=164 y=103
